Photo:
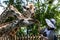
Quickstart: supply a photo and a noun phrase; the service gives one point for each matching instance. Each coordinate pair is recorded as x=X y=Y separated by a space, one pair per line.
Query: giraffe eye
x=27 y=8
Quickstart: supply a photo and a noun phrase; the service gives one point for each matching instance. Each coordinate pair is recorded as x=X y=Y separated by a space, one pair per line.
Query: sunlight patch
x=1 y=10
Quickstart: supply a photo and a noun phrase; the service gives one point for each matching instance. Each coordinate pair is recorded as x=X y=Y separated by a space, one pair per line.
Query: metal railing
x=24 y=37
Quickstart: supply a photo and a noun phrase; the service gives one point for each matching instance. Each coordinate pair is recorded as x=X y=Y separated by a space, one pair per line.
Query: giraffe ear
x=24 y=7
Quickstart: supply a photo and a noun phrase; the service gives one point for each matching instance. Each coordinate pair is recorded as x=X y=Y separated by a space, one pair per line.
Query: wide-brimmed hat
x=51 y=23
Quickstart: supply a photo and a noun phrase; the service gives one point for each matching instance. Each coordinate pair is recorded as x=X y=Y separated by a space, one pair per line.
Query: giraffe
x=11 y=27
x=29 y=12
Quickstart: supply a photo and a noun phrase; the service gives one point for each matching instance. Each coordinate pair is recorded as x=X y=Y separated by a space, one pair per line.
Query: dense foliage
x=44 y=10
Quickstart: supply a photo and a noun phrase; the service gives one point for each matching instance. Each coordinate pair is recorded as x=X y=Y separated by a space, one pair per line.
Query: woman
x=48 y=32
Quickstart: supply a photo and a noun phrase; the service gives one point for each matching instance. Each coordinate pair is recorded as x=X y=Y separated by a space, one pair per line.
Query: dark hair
x=50 y=28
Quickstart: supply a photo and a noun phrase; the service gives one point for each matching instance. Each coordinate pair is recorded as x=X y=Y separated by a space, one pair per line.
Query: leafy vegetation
x=43 y=10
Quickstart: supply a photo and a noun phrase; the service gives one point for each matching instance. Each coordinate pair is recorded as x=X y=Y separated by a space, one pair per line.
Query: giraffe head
x=30 y=7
